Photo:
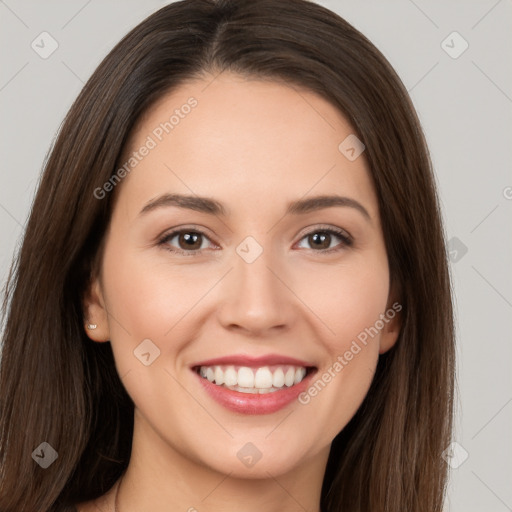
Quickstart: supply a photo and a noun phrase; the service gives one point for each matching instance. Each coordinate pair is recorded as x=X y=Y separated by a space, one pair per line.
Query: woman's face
x=246 y=276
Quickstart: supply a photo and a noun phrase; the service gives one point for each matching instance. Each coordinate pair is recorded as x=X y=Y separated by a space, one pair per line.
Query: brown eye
x=324 y=240
x=185 y=241
x=320 y=240
x=190 y=240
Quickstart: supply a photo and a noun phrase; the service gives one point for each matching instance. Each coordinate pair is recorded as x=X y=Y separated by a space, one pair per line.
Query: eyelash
x=346 y=240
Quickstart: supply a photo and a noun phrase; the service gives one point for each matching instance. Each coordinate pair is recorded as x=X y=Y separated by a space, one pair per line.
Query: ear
x=392 y=324
x=95 y=312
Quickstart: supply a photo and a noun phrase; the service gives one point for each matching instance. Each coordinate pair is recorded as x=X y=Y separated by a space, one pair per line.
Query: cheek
x=149 y=301
x=352 y=353
x=153 y=300
x=349 y=302
x=348 y=298
x=358 y=310
x=147 y=298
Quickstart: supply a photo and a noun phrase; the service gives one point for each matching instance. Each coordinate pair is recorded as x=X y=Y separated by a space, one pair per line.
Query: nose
x=255 y=298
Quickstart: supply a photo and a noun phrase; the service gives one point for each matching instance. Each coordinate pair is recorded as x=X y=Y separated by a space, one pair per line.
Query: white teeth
x=263 y=378
x=278 y=378
x=219 y=376
x=289 y=377
x=254 y=391
x=299 y=375
x=254 y=380
x=245 y=377
x=230 y=376
x=245 y=390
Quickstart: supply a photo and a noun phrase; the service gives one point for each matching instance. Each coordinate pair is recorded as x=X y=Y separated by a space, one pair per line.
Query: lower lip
x=247 y=403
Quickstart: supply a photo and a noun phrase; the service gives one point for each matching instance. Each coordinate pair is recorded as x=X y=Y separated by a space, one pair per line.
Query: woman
x=233 y=286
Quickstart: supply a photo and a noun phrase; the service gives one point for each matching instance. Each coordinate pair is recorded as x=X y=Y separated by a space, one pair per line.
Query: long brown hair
x=57 y=386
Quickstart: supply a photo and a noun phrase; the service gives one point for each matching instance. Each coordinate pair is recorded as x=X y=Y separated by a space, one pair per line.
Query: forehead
x=236 y=137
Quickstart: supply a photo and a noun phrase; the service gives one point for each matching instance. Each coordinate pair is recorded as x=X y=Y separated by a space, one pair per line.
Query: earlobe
x=388 y=339
x=95 y=313
x=392 y=327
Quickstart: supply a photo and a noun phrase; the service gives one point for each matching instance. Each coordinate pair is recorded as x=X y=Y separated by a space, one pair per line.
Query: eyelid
x=322 y=228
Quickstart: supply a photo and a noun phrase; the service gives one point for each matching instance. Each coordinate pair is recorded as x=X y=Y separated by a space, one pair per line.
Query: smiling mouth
x=258 y=380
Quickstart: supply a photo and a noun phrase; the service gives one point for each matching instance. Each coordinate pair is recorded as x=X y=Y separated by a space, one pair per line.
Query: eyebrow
x=213 y=207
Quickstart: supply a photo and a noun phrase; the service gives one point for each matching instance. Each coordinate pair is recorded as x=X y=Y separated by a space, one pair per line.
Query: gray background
x=465 y=106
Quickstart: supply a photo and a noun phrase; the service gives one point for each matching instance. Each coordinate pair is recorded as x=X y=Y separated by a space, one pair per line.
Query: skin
x=254 y=146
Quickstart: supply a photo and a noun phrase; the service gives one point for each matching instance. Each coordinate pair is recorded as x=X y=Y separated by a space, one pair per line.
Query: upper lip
x=250 y=361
